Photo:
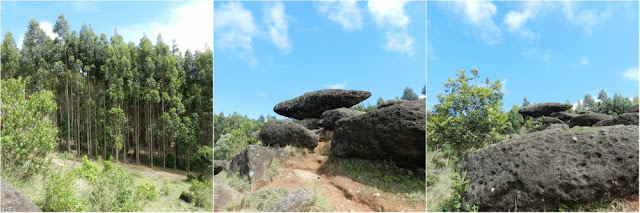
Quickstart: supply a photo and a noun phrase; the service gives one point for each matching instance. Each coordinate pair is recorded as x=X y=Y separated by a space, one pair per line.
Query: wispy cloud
x=235 y=29
x=516 y=20
x=631 y=73
x=391 y=16
x=346 y=13
x=84 y=6
x=480 y=15
x=587 y=19
x=584 y=61
x=276 y=20
x=339 y=85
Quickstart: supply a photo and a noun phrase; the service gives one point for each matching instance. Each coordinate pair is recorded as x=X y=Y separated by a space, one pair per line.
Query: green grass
x=439 y=185
x=241 y=184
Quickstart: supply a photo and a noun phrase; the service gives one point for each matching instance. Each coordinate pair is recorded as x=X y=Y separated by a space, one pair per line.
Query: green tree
x=515 y=119
x=10 y=57
x=380 y=101
x=468 y=115
x=525 y=102
x=408 y=94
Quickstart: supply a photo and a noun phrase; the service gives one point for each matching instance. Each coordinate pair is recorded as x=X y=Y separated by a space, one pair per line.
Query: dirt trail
x=341 y=193
x=144 y=170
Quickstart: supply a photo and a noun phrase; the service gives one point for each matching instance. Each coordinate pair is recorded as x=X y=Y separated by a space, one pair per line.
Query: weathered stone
x=390 y=102
x=14 y=201
x=312 y=104
x=295 y=201
x=558 y=126
x=546 y=121
x=539 y=171
x=222 y=195
x=563 y=116
x=631 y=109
x=623 y=119
x=395 y=133
x=310 y=123
x=588 y=119
x=219 y=166
x=330 y=117
x=545 y=109
x=283 y=132
x=253 y=163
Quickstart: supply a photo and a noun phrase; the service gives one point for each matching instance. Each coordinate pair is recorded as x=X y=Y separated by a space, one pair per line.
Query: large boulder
x=390 y=102
x=310 y=123
x=219 y=166
x=623 y=119
x=395 y=132
x=588 y=119
x=312 y=104
x=330 y=117
x=545 y=109
x=539 y=171
x=295 y=201
x=14 y=201
x=283 y=132
x=563 y=116
x=631 y=109
x=253 y=163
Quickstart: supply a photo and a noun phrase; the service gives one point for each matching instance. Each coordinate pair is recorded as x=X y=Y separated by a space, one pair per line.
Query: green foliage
x=60 y=193
x=165 y=187
x=204 y=160
x=409 y=94
x=233 y=134
x=28 y=131
x=116 y=191
x=605 y=105
x=525 y=102
x=202 y=193
x=361 y=107
x=258 y=201
x=147 y=190
x=454 y=202
x=516 y=120
x=65 y=156
x=468 y=115
x=88 y=170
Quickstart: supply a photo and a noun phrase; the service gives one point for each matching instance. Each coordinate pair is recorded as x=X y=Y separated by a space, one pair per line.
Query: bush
x=60 y=195
x=204 y=160
x=89 y=169
x=147 y=190
x=113 y=191
x=165 y=186
x=202 y=193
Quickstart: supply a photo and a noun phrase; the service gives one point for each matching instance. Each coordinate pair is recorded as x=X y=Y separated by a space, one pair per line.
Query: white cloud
x=584 y=61
x=631 y=73
x=190 y=24
x=338 y=85
x=503 y=89
x=587 y=19
x=235 y=29
x=516 y=20
x=346 y=13
x=276 y=20
x=48 y=29
x=391 y=16
x=480 y=14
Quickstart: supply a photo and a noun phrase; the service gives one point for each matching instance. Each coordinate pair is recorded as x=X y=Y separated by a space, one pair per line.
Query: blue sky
x=268 y=52
x=545 y=51
x=189 y=23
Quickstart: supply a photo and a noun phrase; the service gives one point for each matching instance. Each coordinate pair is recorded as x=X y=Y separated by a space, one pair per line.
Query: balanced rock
x=310 y=123
x=545 y=109
x=631 y=109
x=588 y=119
x=14 y=201
x=539 y=171
x=395 y=133
x=253 y=163
x=295 y=201
x=219 y=166
x=330 y=117
x=390 y=102
x=312 y=104
x=623 y=119
x=283 y=132
x=563 y=116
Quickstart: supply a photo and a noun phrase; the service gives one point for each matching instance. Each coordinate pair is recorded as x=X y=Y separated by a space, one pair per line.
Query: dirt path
x=341 y=193
x=144 y=170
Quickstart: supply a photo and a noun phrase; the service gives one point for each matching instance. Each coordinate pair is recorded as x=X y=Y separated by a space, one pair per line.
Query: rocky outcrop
x=283 y=132
x=563 y=116
x=545 y=109
x=295 y=201
x=223 y=194
x=253 y=163
x=14 y=201
x=588 y=119
x=219 y=166
x=312 y=104
x=395 y=133
x=558 y=126
x=623 y=119
x=548 y=121
x=539 y=171
x=631 y=109
x=330 y=117
x=390 y=102
x=310 y=123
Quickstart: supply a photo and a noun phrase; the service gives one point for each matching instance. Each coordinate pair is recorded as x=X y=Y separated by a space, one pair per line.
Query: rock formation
x=588 y=119
x=623 y=119
x=295 y=201
x=283 y=132
x=253 y=163
x=330 y=117
x=14 y=201
x=390 y=102
x=312 y=104
x=543 y=109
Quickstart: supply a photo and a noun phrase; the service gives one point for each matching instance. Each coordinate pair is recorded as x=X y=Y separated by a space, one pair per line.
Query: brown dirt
x=341 y=193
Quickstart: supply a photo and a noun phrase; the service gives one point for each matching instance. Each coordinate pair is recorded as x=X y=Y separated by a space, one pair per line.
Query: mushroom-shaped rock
x=545 y=109
x=313 y=104
x=283 y=132
x=330 y=117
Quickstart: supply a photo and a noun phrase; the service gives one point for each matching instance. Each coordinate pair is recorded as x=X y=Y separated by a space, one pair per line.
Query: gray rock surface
x=563 y=116
x=283 y=132
x=588 y=119
x=623 y=119
x=312 y=104
x=545 y=109
x=222 y=195
x=310 y=123
x=395 y=133
x=219 y=166
x=548 y=121
x=539 y=171
x=14 y=201
x=295 y=201
x=631 y=109
x=253 y=163
x=558 y=126
x=330 y=117
x=390 y=102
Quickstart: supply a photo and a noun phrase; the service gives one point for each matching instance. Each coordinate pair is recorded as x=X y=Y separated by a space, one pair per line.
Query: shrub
x=204 y=160
x=113 y=191
x=147 y=190
x=89 y=169
x=202 y=193
x=65 y=155
x=59 y=192
x=165 y=186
